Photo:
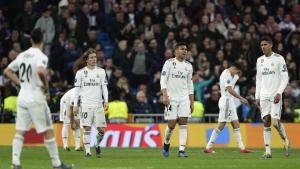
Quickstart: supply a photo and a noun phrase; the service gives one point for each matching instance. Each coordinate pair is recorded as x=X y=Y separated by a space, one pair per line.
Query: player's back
x=31 y=85
x=227 y=80
x=68 y=97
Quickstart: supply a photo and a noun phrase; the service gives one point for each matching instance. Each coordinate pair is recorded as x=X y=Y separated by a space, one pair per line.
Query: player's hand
x=277 y=98
x=192 y=107
x=165 y=100
x=257 y=101
x=105 y=106
x=75 y=111
x=244 y=101
x=47 y=94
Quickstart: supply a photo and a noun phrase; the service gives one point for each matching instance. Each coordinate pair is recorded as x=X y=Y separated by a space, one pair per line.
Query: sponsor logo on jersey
x=180 y=75
x=267 y=71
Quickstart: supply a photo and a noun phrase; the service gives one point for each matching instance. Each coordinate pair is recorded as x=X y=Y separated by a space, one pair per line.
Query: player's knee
x=275 y=124
x=220 y=128
x=20 y=133
x=171 y=127
x=267 y=121
x=101 y=130
x=87 y=128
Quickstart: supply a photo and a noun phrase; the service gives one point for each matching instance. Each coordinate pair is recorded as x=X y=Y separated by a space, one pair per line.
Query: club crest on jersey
x=98 y=76
x=262 y=61
x=272 y=64
x=85 y=73
x=228 y=81
x=174 y=64
x=163 y=73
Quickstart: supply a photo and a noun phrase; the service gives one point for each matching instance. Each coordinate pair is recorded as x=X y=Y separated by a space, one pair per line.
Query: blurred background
x=219 y=32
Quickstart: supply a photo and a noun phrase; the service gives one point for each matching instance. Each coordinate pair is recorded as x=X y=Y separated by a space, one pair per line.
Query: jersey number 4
x=25 y=72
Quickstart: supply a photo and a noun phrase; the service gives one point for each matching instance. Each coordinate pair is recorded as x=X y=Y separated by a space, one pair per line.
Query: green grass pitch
x=147 y=158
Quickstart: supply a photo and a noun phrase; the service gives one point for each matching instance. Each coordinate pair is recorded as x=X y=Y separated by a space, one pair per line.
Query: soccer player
x=178 y=96
x=227 y=108
x=271 y=80
x=32 y=103
x=91 y=84
x=69 y=120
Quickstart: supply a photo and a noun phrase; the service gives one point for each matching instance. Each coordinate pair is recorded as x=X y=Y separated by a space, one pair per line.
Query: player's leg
x=41 y=117
x=275 y=119
x=184 y=111
x=182 y=122
x=101 y=125
x=222 y=119
x=237 y=135
x=265 y=106
x=86 y=120
x=23 y=124
x=65 y=135
x=170 y=115
x=76 y=134
x=66 y=124
x=214 y=135
x=51 y=146
x=168 y=133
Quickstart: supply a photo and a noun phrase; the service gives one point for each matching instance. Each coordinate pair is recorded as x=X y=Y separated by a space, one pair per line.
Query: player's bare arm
x=11 y=75
x=277 y=98
x=191 y=97
x=165 y=97
x=233 y=93
x=43 y=74
x=257 y=101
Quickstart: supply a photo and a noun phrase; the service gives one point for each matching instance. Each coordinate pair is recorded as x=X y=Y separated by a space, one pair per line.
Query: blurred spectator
x=141 y=106
x=198 y=113
x=82 y=24
x=141 y=66
x=24 y=23
x=46 y=24
x=117 y=111
x=141 y=36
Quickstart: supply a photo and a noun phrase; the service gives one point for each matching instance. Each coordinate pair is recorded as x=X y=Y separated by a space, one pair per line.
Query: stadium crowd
x=134 y=38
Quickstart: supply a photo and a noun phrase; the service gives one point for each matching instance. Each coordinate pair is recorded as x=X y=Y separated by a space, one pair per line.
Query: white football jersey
x=271 y=76
x=176 y=77
x=90 y=82
x=227 y=80
x=68 y=98
x=27 y=63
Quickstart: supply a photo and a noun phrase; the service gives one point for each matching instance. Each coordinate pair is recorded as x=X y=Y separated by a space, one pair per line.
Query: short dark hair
x=180 y=44
x=236 y=65
x=37 y=36
x=267 y=39
x=86 y=54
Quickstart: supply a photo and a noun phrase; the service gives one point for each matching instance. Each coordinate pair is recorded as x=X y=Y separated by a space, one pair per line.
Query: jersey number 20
x=25 y=70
